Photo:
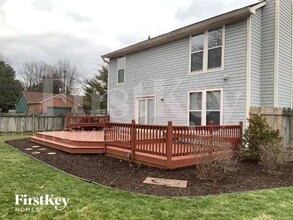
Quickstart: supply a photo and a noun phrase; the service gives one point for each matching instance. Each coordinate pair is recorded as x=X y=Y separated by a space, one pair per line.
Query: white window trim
x=203 y=110
x=137 y=98
x=125 y=67
x=205 y=54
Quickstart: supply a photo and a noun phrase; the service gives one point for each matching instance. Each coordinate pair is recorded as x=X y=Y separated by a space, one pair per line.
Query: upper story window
x=121 y=65
x=207 y=50
x=121 y=76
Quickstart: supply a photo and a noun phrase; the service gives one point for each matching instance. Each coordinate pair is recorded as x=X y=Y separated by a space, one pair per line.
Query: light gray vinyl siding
x=285 y=54
x=163 y=72
x=268 y=54
x=255 y=100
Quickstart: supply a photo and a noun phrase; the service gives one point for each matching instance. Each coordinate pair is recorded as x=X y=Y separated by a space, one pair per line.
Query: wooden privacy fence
x=30 y=123
x=86 y=122
x=279 y=119
x=170 y=141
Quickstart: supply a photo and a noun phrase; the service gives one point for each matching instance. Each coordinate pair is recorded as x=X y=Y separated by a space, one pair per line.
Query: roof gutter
x=215 y=22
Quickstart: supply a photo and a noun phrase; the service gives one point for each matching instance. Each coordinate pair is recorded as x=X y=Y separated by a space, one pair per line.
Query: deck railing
x=151 y=139
x=198 y=139
x=137 y=138
x=86 y=122
x=171 y=141
x=118 y=135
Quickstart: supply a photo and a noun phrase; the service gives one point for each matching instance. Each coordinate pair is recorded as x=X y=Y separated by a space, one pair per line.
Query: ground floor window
x=146 y=110
x=205 y=106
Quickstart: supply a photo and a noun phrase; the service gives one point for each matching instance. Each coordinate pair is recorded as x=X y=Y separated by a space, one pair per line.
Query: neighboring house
x=213 y=70
x=48 y=103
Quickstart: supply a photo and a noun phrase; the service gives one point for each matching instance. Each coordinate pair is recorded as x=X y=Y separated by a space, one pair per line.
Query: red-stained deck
x=92 y=142
x=167 y=147
x=72 y=141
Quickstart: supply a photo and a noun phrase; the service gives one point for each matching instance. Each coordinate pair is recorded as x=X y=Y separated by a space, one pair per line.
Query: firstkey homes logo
x=25 y=203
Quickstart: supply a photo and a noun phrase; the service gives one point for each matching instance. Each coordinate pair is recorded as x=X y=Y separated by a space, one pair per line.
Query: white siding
x=163 y=71
x=285 y=53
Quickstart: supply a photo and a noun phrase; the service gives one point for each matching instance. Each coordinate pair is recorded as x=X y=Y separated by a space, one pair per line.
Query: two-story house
x=213 y=70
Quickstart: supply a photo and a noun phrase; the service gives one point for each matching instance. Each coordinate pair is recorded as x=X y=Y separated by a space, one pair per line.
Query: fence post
x=66 y=121
x=33 y=123
x=133 y=139
x=169 y=143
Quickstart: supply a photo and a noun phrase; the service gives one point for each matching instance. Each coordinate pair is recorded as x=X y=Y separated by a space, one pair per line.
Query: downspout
x=106 y=61
x=292 y=55
x=276 y=56
x=108 y=96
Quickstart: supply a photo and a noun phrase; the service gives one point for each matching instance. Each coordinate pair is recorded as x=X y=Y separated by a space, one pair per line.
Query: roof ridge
x=180 y=33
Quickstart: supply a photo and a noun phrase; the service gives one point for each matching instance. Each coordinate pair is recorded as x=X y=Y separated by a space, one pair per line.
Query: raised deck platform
x=89 y=142
x=161 y=146
x=92 y=142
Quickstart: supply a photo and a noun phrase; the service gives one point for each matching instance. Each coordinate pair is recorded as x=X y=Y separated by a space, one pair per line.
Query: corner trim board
x=248 y=67
x=276 y=56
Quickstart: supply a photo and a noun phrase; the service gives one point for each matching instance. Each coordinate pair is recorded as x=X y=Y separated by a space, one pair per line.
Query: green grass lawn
x=20 y=174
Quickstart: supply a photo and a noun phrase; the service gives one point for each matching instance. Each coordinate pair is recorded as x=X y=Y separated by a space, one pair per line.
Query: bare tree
x=42 y=77
x=34 y=73
x=67 y=73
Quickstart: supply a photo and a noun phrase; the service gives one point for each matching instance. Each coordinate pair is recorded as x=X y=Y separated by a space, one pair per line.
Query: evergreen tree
x=96 y=89
x=10 y=88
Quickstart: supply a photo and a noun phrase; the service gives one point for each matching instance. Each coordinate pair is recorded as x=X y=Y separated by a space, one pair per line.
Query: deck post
x=33 y=123
x=212 y=124
x=133 y=139
x=241 y=125
x=241 y=132
x=106 y=129
x=169 y=143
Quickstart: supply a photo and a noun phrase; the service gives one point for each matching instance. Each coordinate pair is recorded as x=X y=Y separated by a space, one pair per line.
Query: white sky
x=83 y=30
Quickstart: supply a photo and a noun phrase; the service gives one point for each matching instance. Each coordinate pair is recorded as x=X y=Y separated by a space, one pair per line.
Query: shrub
x=217 y=162
x=258 y=133
x=269 y=155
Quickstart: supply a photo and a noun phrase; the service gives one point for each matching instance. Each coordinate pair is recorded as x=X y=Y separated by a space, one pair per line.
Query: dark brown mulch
x=129 y=176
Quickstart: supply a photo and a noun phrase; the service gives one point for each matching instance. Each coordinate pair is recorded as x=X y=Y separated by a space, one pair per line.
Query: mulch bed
x=129 y=176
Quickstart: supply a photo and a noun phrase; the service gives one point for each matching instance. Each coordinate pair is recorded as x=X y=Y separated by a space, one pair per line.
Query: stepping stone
x=35 y=152
x=166 y=182
x=42 y=149
x=28 y=149
x=35 y=146
x=51 y=153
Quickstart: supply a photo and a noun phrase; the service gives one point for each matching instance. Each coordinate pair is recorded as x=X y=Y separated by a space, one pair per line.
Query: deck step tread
x=71 y=145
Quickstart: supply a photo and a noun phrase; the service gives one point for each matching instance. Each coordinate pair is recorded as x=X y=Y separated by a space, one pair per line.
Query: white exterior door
x=146 y=110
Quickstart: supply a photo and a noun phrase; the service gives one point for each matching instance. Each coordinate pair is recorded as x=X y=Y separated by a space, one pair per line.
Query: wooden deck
x=160 y=146
x=81 y=142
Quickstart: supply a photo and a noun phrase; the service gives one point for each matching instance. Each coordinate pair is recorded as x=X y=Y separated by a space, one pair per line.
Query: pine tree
x=96 y=88
x=10 y=88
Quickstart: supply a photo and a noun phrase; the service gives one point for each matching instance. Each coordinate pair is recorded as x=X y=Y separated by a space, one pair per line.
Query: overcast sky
x=83 y=30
